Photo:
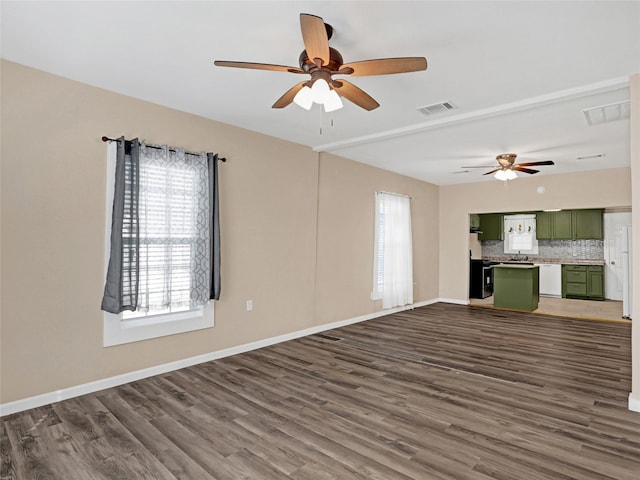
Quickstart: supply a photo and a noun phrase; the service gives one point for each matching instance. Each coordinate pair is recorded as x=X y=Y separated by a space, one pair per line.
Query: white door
x=613 y=223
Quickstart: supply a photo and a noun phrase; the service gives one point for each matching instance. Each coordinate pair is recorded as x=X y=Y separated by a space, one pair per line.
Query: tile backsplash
x=553 y=249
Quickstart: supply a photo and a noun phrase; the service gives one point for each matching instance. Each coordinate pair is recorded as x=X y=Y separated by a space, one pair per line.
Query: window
x=520 y=234
x=165 y=262
x=393 y=251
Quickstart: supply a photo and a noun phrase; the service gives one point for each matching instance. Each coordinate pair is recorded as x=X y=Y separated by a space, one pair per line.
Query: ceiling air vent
x=607 y=113
x=591 y=157
x=437 y=108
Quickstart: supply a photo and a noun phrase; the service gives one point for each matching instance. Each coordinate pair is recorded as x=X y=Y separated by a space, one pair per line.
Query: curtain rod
x=396 y=194
x=107 y=139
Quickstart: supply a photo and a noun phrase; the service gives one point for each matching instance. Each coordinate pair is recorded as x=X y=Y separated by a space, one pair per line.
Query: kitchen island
x=516 y=286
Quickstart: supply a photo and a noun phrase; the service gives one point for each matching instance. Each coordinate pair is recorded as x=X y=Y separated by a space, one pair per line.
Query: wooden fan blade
x=519 y=168
x=258 y=66
x=492 y=171
x=480 y=166
x=385 y=66
x=314 y=36
x=530 y=164
x=287 y=98
x=356 y=95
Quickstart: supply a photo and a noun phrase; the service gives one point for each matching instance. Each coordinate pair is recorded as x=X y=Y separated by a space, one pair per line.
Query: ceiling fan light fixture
x=501 y=175
x=333 y=102
x=320 y=91
x=304 y=98
x=505 y=174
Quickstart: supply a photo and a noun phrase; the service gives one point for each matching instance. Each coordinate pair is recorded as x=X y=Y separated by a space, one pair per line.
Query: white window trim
x=117 y=331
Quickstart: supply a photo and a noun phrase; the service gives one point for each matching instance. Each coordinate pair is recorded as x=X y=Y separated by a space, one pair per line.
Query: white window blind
x=378 y=256
x=521 y=241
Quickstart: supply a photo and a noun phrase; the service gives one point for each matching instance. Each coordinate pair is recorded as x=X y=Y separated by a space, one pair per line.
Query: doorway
x=613 y=223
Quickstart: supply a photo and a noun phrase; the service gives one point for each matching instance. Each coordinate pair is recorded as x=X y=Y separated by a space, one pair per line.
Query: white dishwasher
x=550 y=279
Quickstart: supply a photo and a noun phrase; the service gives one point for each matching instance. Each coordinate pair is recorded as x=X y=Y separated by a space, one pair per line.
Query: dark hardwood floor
x=439 y=392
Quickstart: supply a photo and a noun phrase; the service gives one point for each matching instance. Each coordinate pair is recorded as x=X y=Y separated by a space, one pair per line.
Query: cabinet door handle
x=613 y=262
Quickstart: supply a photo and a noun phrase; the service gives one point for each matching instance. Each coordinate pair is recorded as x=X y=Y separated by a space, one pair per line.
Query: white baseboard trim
x=91 y=387
x=634 y=402
x=454 y=300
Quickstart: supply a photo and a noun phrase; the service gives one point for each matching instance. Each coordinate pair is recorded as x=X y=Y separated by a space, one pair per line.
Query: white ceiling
x=520 y=73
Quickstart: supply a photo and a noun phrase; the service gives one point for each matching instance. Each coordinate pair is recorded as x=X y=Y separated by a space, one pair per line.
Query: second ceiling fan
x=508 y=167
x=321 y=62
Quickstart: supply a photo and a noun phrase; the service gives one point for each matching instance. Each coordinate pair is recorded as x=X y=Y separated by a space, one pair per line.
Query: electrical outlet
x=249 y=305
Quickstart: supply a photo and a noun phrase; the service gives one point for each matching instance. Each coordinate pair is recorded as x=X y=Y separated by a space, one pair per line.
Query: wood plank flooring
x=571 y=307
x=440 y=392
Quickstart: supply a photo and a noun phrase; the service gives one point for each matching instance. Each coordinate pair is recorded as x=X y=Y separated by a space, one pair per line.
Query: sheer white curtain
x=394 y=256
x=174 y=230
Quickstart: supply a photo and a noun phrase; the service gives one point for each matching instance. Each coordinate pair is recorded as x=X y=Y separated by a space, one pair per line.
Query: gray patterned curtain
x=212 y=161
x=121 y=286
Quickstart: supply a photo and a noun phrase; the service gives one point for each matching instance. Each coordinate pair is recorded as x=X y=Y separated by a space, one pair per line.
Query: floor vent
x=607 y=113
x=437 y=108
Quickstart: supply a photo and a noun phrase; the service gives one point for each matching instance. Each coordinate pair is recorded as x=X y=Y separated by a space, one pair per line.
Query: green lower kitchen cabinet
x=583 y=282
x=516 y=287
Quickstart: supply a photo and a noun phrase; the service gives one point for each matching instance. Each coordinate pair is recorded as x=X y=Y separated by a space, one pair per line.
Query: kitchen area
x=561 y=262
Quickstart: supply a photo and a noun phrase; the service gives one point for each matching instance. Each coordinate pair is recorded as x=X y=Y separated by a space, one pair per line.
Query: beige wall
x=346 y=226
x=297 y=233
x=475 y=246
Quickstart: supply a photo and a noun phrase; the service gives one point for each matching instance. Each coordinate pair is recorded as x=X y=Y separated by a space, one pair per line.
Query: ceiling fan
x=321 y=62
x=508 y=167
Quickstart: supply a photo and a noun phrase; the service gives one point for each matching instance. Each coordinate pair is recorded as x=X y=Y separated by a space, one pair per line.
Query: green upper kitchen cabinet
x=554 y=225
x=543 y=226
x=570 y=225
x=492 y=226
x=562 y=225
x=587 y=224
